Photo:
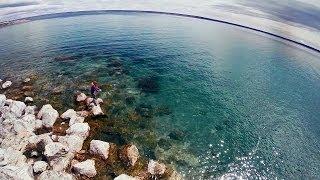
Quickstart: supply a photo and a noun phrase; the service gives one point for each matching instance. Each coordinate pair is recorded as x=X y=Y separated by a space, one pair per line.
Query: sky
x=295 y=19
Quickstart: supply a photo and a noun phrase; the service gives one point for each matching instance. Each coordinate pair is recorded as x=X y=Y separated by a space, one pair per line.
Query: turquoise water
x=223 y=101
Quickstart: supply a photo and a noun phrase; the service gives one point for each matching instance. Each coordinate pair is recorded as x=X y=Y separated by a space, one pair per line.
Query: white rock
x=30 y=110
x=89 y=100
x=100 y=148
x=8 y=102
x=26 y=80
x=11 y=157
x=86 y=168
x=16 y=172
x=38 y=124
x=96 y=110
x=125 y=177
x=55 y=175
x=61 y=163
x=79 y=129
x=48 y=115
x=70 y=113
x=156 y=168
x=2 y=100
x=99 y=101
x=77 y=119
x=17 y=108
x=81 y=97
x=6 y=84
x=28 y=99
x=40 y=166
x=55 y=149
x=74 y=142
x=0 y=80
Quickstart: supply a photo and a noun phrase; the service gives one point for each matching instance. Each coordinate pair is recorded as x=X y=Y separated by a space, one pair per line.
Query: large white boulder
x=2 y=100
x=48 y=115
x=6 y=84
x=81 y=97
x=17 y=108
x=79 y=129
x=55 y=175
x=125 y=177
x=61 y=163
x=74 y=142
x=76 y=119
x=86 y=168
x=156 y=168
x=40 y=166
x=100 y=148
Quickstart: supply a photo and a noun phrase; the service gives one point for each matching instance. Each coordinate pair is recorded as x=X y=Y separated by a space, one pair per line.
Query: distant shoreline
x=97 y=12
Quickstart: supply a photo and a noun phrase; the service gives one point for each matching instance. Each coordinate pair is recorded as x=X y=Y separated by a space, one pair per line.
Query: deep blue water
x=248 y=105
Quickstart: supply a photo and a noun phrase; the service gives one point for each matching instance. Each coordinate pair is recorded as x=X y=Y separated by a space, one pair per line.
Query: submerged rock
x=26 y=80
x=156 y=168
x=100 y=148
x=6 y=84
x=177 y=135
x=129 y=154
x=149 y=84
x=48 y=115
x=86 y=168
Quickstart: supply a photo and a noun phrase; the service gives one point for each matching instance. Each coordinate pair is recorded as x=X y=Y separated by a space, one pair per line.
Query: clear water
x=247 y=105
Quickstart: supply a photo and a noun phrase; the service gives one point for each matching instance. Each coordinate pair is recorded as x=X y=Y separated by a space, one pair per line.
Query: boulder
x=54 y=175
x=125 y=177
x=81 y=97
x=48 y=115
x=100 y=148
x=28 y=99
x=156 y=168
x=76 y=119
x=74 y=142
x=61 y=163
x=96 y=110
x=17 y=172
x=70 y=113
x=40 y=166
x=79 y=129
x=2 y=100
x=6 y=84
x=30 y=110
x=55 y=149
x=11 y=157
x=17 y=108
x=38 y=124
x=86 y=168
x=129 y=154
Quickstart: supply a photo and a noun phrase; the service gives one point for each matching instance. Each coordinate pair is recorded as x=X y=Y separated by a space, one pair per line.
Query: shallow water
x=211 y=99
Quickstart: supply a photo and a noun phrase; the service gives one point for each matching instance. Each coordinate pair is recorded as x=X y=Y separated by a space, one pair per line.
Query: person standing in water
x=94 y=91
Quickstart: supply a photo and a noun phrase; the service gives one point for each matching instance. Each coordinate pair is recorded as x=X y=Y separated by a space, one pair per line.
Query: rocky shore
x=41 y=143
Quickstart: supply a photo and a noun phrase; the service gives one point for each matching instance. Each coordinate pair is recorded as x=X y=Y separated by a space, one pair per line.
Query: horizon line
x=97 y=12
